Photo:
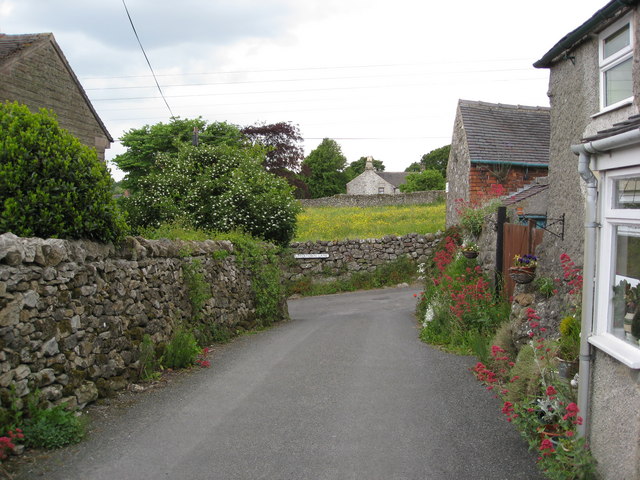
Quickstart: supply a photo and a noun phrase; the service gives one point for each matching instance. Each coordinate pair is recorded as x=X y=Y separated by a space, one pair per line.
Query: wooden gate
x=518 y=240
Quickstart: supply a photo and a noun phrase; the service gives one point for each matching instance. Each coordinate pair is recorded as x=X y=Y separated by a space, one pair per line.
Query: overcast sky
x=380 y=77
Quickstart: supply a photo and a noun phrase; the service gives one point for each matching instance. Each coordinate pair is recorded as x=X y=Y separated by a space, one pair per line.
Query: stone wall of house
x=73 y=314
x=341 y=200
x=342 y=258
x=369 y=183
x=41 y=80
x=458 y=167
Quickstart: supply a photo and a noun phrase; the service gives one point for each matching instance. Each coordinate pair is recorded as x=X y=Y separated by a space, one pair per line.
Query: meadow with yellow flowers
x=340 y=223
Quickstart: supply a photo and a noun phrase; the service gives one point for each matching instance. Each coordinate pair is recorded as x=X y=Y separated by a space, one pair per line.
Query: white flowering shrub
x=216 y=188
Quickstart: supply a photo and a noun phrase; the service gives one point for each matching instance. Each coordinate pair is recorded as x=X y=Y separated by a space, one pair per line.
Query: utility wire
x=147 y=58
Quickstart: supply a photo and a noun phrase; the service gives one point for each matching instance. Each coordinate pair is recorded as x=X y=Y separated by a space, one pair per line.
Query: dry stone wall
x=342 y=258
x=341 y=200
x=72 y=314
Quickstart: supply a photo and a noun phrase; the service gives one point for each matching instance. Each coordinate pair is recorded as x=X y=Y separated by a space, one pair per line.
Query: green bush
x=148 y=361
x=52 y=427
x=423 y=181
x=182 y=350
x=52 y=186
x=215 y=188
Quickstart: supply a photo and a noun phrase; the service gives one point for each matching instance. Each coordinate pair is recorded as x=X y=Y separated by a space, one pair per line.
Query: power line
x=300 y=69
x=146 y=58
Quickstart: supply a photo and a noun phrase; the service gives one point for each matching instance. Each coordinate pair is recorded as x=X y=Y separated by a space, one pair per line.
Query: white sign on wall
x=311 y=255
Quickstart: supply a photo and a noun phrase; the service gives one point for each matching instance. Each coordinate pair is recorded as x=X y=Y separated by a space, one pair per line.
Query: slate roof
x=506 y=134
x=394 y=178
x=12 y=47
x=524 y=193
x=632 y=123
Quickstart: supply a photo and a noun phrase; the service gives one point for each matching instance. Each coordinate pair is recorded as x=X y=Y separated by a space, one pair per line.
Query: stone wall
x=341 y=200
x=349 y=256
x=72 y=314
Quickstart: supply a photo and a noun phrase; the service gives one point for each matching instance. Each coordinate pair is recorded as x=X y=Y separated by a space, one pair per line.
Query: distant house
x=372 y=182
x=594 y=184
x=35 y=72
x=495 y=144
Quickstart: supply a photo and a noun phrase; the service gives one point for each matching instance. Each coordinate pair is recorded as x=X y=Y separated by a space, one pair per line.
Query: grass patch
x=339 y=223
x=390 y=274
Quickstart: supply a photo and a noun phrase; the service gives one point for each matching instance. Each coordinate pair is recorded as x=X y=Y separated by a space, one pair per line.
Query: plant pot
x=522 y=274
x=567 y=368
x=469 y=253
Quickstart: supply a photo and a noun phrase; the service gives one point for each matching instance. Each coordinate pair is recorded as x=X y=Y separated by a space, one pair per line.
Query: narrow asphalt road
x=346 y=390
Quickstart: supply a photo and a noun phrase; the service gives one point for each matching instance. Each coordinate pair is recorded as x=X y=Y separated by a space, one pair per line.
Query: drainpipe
x=590 y=236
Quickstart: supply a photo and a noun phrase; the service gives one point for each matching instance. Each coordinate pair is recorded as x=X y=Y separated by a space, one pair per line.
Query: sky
x=380 y=77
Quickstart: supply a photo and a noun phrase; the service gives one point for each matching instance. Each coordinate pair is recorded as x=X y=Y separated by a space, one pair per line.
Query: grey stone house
x=35 y=72
x=495 y=144
x=372 y=182
x=594 y=179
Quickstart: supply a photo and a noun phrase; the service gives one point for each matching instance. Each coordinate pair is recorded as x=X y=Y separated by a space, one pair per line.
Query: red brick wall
x=481 y=177
x=39 y=79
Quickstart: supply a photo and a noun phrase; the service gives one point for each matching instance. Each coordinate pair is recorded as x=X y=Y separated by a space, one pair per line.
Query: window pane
x=626 y=298
x=617 y=41
x=627 y=193
x=617 y=81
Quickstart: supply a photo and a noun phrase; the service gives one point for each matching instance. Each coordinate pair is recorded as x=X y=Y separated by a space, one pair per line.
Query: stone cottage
x=495 y=144
x=372 y=182
x=594 y=180
x=35 y=72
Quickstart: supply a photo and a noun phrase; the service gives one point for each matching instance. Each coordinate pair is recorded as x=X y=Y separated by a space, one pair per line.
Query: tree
x=326 y=165
x=50 y=184
x=145 y=143
x=282 y=140
x=216 y=188
x=356 y=168
x=423 y=181
x=434 y=160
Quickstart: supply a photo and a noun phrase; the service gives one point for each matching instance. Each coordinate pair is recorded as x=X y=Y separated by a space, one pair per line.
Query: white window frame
x=380 y=190
x=602 y=337
x=613 y=60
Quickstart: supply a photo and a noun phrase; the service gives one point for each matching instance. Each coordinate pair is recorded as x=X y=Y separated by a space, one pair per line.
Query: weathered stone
x=50 y=347
x=6 y=378
x=88 y=392
x=31 y=299
x=10 y=315
x=45 y=377
x=21 y=372
x=22 y=388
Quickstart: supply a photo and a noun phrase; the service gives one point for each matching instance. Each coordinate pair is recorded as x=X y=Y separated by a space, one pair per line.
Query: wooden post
x=532 y=234
x=502 y=219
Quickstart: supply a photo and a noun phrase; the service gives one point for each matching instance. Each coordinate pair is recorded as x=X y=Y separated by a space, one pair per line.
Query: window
x=380 y=189
x=617 y=327
x=616 y=59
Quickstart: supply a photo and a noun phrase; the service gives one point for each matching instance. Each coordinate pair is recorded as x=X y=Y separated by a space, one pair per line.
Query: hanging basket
x=470 y=253
x=522 y=275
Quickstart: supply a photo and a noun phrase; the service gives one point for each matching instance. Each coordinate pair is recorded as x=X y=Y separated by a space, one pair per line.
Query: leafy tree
x=282 y=140
x=356 y=168
x=216 y=188
x=145 y=143
x=434 y=160
x=50 y=184
x=423 y=181
x=326 y=165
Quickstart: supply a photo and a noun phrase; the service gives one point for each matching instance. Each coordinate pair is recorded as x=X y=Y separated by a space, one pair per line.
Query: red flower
x=551 y=390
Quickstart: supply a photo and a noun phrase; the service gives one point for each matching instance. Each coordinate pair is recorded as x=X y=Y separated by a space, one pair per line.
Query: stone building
x=35 y=72
x=495 y=144
x=372 y=182
x=594 y=180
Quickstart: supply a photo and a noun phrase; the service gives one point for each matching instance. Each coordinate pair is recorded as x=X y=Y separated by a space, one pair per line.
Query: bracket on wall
x=555 y=221
x=572 y=58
